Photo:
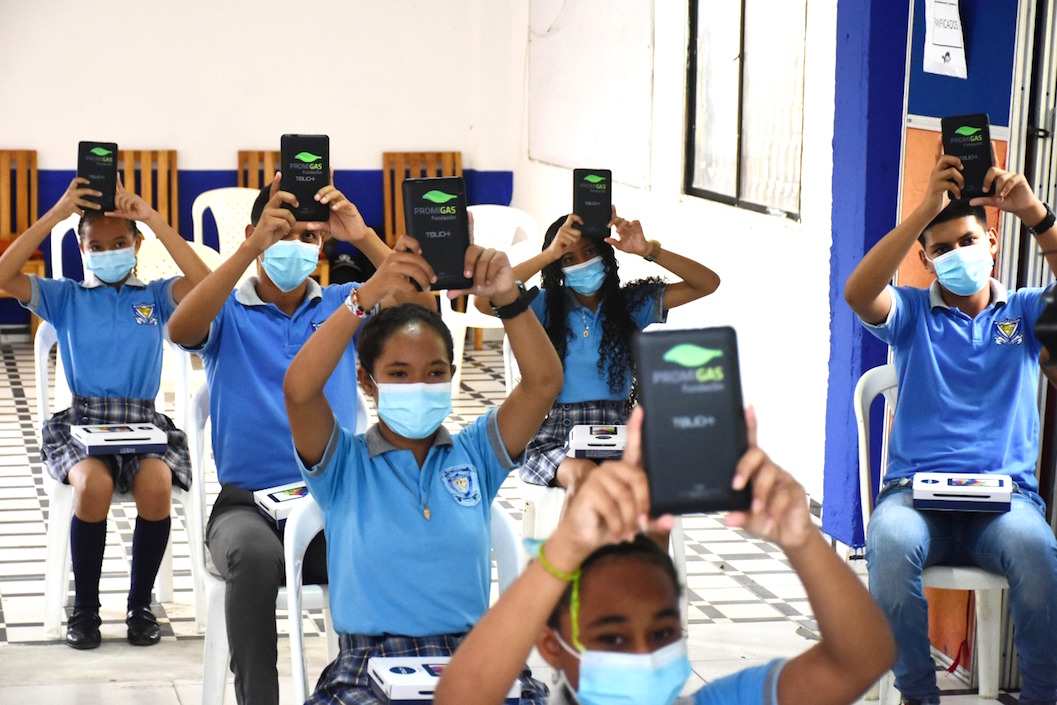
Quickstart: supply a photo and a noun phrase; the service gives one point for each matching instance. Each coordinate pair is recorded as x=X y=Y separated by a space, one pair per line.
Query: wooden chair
x=152 y=173
x=397 y=166
x=18 y=208
x=256 y=168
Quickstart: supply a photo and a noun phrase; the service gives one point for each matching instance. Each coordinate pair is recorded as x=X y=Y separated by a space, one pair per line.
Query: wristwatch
x=1046 y=223
x=518 y=305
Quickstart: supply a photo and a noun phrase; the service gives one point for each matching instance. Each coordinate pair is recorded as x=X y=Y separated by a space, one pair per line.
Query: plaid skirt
x=60 y=452
x=344 y=681
x=547 y=450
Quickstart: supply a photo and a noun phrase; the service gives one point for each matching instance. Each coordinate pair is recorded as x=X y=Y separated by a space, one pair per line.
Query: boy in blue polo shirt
x=967 y=360
x=247 y=338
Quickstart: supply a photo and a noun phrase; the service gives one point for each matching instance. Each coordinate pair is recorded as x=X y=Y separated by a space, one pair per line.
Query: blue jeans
x=902 y=542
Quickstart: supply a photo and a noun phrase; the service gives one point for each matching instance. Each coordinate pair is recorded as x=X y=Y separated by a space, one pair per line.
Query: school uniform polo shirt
x=249 y=347
x=117 y=333
x=392 y=570
x=967 y=386
x=582 y=379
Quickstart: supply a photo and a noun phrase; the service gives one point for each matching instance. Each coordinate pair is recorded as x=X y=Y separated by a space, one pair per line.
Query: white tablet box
x=601 y=442
x=120 y=439
x=276 y=503
x=966 y=492
x=411 y=680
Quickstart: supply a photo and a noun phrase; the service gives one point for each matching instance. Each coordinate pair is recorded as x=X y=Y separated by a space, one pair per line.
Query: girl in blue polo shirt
x=590 y=319
x=110 y=329
x=601 y=606
x=407 y=505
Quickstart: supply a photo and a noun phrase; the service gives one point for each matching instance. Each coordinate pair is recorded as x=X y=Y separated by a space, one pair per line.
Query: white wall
x=775 y=272
x=209 y=77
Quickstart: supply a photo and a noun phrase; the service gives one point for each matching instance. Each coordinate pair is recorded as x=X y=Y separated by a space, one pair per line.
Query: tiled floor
x=746 y=605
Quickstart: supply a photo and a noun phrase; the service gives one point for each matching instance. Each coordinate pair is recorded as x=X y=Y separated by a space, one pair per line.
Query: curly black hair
x=617 y=304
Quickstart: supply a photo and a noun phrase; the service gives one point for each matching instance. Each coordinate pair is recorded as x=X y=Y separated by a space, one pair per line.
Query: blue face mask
x=964 y=270
x=414 y=410
x=289 y=262
x=611 y=678
x=586 y=278
x=111 y=266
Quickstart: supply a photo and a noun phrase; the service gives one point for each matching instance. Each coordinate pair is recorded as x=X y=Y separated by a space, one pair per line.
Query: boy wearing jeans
x=967 y=359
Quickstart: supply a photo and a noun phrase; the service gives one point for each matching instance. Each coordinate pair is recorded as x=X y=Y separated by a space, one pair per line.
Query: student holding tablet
x=407 y=506
x=110 y=329
x=601 y=605
x=590 y=319
x=247 y=338
x=967 y=359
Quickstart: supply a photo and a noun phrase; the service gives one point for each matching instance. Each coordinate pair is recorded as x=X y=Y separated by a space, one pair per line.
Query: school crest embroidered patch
x=1008 y=332
x=462 y=484
x=145 y=314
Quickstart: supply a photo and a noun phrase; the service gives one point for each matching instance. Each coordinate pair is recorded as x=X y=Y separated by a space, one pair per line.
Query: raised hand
x=75 y=199
x=630 y=237
x=129 y=205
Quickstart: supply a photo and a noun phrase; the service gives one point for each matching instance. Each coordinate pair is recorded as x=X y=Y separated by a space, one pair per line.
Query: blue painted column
x=867 y=132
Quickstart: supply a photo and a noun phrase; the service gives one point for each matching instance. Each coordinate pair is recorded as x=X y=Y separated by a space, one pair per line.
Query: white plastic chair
x=504 y=228
x=306 y=520
x=60 y=497
x=987 y=587
x=301 y=527
x=231 y=211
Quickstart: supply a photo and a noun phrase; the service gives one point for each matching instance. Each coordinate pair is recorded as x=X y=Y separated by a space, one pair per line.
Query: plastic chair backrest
x=879 y=380
x=231 y=211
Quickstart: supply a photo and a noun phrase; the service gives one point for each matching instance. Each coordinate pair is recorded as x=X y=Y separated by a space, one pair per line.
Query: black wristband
x=518 y=305
x=1046 y=223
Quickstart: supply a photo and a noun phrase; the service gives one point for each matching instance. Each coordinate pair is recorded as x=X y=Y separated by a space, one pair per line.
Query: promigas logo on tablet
x=966 y=134
x=440 y=198
x=694 y=360
x=103 y=154
x=309 y=160
x=598 y=181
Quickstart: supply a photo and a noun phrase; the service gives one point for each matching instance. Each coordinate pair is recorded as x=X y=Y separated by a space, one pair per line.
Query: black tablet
x=305 y=164
x=968 y=137
x=97 y=162
x=694 y=429
x=435 y=215
x=593 y=200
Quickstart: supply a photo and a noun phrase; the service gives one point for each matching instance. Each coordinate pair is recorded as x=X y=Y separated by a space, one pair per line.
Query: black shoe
x=82 y=629
x=142 y=627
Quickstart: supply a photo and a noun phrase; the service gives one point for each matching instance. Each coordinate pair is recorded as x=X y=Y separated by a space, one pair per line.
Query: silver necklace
x=583 y=316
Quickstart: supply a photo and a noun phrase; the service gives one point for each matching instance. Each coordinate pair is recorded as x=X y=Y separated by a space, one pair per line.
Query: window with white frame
x=745 y=103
